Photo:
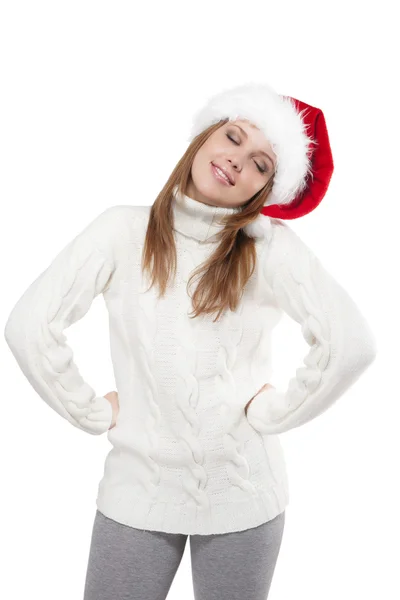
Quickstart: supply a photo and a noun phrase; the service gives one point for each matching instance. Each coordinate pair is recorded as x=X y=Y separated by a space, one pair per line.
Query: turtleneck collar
x=196 y=219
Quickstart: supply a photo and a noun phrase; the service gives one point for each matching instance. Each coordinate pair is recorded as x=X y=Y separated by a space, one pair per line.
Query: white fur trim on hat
x=277 y=117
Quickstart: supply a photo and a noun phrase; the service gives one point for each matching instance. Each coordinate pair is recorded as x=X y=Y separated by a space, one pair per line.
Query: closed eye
x=237 y=144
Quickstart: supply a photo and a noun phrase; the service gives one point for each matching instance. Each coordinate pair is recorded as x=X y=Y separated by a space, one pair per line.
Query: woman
x=193 y=422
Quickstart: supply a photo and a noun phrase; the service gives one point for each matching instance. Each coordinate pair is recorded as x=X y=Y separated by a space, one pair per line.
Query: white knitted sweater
x=184 y=457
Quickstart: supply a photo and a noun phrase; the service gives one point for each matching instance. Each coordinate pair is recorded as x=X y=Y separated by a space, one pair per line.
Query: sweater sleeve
x=342 y=344
x=57 y=298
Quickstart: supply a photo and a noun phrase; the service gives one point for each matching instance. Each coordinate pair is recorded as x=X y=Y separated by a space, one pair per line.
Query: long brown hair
x=224 y=275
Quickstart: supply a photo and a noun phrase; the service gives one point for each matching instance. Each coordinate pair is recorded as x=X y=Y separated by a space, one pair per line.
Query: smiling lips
x=221 y=175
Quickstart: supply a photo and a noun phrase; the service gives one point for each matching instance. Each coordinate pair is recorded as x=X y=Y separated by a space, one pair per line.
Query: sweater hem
x=168 y=517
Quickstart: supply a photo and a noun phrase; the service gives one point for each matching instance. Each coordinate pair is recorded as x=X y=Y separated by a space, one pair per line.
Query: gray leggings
x=133 y=564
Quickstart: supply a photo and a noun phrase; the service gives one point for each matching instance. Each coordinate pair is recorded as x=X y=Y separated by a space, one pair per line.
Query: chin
x=212 y=189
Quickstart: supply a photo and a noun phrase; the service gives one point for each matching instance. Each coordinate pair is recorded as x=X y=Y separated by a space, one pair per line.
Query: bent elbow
x=371 y=352
x=362 y=355
x=369 y=347
x=9 y=331
x=14 y=331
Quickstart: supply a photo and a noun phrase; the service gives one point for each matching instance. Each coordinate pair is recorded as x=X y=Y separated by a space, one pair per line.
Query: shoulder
x=113 y=220
x=121 y=213
x=285 y=237
x=112 y=226
x=284 y=250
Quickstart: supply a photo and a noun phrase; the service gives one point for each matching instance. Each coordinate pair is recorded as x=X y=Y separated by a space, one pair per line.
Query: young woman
x=194 y=286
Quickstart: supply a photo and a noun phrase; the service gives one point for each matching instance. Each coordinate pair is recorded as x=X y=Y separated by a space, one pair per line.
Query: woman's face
x=238 y=148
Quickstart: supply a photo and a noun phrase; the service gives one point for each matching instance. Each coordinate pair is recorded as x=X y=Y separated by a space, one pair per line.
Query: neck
x=198 y=220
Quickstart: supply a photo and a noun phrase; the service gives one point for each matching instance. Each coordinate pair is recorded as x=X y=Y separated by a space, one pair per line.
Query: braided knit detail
x=301 y=287
x=78 y=275
x=231 y=332
x=187 y=398
x=301 y=291
x=305 y=298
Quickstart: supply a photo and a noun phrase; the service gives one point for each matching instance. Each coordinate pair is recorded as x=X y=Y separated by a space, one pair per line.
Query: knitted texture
x=185 y=457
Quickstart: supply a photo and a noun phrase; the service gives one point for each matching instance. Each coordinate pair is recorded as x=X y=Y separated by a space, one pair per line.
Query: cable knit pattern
x=59 y=297
x=188 y=430
x=238 y=467
x=341 y=342
x=184 y=456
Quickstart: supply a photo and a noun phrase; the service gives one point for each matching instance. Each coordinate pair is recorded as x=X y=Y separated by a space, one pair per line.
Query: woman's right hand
x=113 y=398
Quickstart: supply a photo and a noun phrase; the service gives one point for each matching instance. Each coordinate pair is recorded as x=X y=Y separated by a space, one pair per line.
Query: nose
x=235 y=163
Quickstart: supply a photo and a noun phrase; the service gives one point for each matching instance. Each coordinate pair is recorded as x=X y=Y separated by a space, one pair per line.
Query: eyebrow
x=260 y=151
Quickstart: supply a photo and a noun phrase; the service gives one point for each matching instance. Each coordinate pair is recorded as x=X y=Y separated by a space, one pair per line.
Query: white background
x=96 y=103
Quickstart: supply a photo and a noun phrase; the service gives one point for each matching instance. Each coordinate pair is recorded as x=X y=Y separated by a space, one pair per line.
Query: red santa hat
x=298 y=136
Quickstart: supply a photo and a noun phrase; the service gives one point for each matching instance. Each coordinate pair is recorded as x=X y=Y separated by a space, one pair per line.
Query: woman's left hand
x=265 y=386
